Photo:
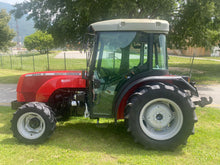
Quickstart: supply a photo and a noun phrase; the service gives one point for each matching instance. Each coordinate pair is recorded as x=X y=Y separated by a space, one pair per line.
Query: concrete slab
x=210 y=90
x=7 y=94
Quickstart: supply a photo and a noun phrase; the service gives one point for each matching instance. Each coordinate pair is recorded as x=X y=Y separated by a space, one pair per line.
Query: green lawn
x=215 y=58
x=82 y=141
x=39 y=62
x=8 y=76
x=203 y=71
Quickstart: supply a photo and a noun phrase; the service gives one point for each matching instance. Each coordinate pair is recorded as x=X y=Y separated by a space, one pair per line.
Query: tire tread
x=138 y=97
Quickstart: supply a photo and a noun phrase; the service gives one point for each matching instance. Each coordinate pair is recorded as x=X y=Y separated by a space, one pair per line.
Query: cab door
x=108 y=70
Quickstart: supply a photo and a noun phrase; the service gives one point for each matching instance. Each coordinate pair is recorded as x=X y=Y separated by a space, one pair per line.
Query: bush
x=41 y=41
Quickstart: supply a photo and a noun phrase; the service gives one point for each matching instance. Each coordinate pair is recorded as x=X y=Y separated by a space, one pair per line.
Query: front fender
x=45 y=91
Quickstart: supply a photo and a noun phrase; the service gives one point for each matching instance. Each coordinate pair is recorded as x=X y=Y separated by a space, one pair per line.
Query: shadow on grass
x=84 y=135
x=6 y=114
x=201 y=73
x=202 y=67
x=105 y=137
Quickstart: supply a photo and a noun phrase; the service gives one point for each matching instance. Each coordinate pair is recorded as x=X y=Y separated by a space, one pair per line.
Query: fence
x=37 y=62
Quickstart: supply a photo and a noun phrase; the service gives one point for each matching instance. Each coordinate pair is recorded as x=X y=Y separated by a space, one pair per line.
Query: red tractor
x=127 y=78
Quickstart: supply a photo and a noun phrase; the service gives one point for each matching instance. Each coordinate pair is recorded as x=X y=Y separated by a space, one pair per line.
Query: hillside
x=25 y=27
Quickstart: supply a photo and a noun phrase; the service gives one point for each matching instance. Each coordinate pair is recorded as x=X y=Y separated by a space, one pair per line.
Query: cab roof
x=147 y=25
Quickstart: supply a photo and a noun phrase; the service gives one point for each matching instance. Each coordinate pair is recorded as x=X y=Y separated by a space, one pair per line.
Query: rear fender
x=45 y=91
x=128 y=88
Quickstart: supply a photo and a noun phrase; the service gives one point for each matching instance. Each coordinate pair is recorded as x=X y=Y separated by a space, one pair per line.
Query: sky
x=12 y=1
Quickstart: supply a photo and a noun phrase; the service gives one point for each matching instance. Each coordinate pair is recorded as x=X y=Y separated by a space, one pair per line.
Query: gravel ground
x=7 y=93
x=210 y=90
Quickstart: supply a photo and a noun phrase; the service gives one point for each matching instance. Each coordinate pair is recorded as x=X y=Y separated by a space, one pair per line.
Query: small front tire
x=33 y=123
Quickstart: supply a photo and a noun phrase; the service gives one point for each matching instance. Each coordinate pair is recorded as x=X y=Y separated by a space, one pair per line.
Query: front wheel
x=33 y=123
x=160 y=116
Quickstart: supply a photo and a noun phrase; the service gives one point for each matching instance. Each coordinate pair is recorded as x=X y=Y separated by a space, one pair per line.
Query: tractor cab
x=123 y=49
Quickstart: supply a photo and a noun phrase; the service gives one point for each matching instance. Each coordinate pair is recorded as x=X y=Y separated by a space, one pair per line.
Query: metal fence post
x=65 y=60
x=33 y=63
x=1 y=61
x=48 y=62
x=10 y=61
x=21 y=63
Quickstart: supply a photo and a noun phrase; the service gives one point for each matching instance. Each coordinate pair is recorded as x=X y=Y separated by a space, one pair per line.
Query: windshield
x=112 y=48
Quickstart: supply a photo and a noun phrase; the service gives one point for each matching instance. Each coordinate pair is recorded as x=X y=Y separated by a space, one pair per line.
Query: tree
x=196 y=24
x=68 y=20
x=191 y=21
x=6 y=34
x=41 y=41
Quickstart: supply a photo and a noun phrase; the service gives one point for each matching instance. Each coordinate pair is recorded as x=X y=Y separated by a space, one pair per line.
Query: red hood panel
x=30 y=83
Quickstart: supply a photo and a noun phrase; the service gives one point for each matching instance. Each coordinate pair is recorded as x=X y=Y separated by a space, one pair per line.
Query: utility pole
x=18 y=37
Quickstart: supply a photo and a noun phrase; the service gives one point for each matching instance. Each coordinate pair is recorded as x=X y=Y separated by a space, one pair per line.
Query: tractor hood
x=39 y=86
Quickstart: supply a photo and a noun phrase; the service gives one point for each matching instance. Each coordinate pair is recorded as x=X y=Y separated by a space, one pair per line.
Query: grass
x=82 y=141
x=8 y=76
x=214 y=57
x=203 y=71
x=39 y=62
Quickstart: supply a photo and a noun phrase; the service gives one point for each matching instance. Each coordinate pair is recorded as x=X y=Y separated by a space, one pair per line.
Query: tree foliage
x=40 y=41
x=196 y=24
x=6 y=34
x=192 y=22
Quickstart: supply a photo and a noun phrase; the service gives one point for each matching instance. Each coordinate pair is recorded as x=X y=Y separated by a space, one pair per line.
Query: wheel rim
x=161 y=119
x=31 y=125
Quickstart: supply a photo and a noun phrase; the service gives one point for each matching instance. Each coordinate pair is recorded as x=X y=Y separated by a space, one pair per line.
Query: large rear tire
x=33 y=123
x=160 y=116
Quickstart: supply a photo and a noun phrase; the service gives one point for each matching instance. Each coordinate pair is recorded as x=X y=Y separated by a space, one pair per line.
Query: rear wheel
x=160 y=116
x=33 y=123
